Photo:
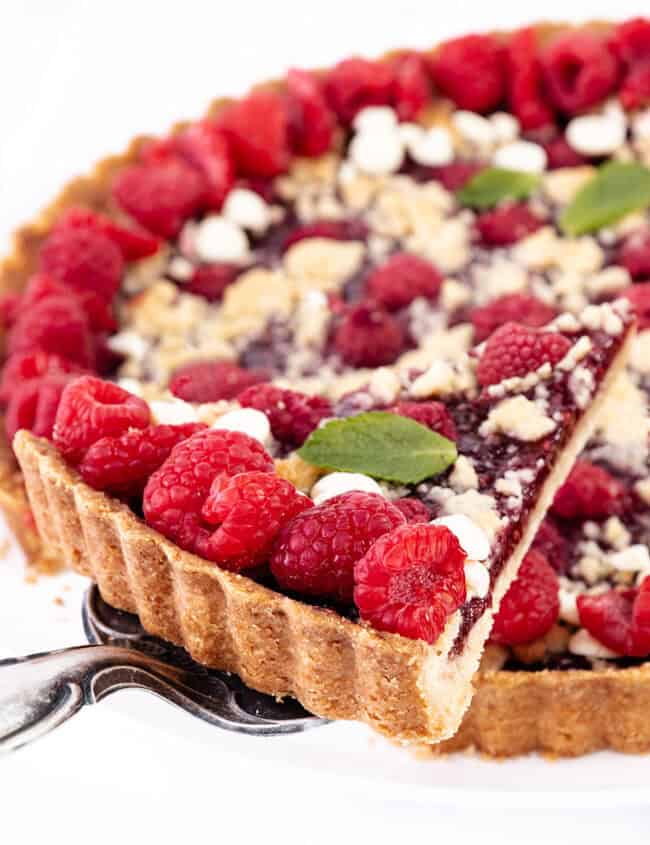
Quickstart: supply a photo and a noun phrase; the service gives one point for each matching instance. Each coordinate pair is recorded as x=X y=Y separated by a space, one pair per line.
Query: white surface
x=78 y=79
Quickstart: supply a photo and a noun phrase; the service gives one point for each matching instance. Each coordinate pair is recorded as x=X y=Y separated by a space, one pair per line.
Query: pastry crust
x=564 y=713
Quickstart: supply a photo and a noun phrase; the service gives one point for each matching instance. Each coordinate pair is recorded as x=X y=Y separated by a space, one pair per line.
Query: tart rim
x=494 y=686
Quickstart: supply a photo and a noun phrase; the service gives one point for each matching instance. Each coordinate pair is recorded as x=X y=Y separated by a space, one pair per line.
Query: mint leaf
x=617 y=189
x=381 y=445
x=495 y=184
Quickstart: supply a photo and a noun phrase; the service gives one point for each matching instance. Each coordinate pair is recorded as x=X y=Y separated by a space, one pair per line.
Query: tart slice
x=373 y=598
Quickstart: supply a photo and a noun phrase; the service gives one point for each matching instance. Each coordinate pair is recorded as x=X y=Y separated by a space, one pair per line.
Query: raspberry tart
x=210 y=320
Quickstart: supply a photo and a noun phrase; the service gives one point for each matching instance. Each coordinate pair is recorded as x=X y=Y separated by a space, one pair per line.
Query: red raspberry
x=211 y=280
x=132 y=243
x=433 y=415
x=210 y=381
x=411 y=86
x=292 y=415
x=84 y=259
x=619 y=619
x=579 y=71
x=250 y=509
x=471 y=71
x=507 y=224
x=589 y=492
x=368 y=336
x=456 y=175
x=98 y=310
x=515 y=350
x=121 y=465
x=354 y=84
x=91 y=408
x=160 y=195
x=525 y=89
x=175 y=493
x=312 y=123
x=9 y=307
x=631 y=44
x=413 y=510
x=336 y=230
x=403 y=278
x=634 y=254
x=316 y=552
x=411 y=581
x=550 y=543
x=514 y=307
x=34 y=403
x=56 y=324
x=25 y=366
x=639 y=296
x=560 y=154
x=531 y=606
x=203 y=145
x=258 y=130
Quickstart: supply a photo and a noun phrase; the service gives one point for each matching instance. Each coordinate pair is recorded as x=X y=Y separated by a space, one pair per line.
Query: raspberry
x=354 y=84
x=34 y=403
x=210 y=381
x=258 y=130
x=24 y=366
x=619 y=619
x=515 y=350
x=98 y=310
x=514 y=307
x=121 y=465
x=9 y=306
x=433 y=415
x=84 y=259
x=413 y=510
x=56 y=324
x=336 y=230
x=160 y=195
x=292 y=415
x=560 y=154
x=639 y=296
x=403 y=278
x=507 y=224
x=411 y=86
x=579 y=70
x=211 y=280
x=456 y=175
x=368 y=336
x=91 y=408
x=550 y=543
x=589 y=492
x=531 y=606
x=411 y=581
x=634 y=254
x=525 y=90
x=132 y=243
x=250 y=509
x=471 y=72
x=631 y=44
x=175 y=493
x=316 y=552
x=311 y=122
x=204 y=146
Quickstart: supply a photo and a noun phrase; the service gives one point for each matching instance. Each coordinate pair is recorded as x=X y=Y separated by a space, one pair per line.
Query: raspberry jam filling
x=307 y=254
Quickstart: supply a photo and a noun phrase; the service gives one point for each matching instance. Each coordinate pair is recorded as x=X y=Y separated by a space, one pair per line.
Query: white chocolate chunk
x=635 y=558
x=472 y=538
x=375 y=119
x=248 y=421
x=521 y=155
x=219 y=239
x=432 y=148
x=337 y=483
x=583 y=644
x=519 y=418
x=596 y=134
x=477 y=579
x=377 y=153
x=172 y=412
x=474 y=128
x=247 y=209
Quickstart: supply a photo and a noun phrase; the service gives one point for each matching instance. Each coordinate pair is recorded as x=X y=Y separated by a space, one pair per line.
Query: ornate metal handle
x=41 y=691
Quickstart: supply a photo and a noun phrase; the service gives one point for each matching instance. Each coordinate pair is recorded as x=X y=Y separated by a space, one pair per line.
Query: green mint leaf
x=617 y=189
x=495 y=184
x=381 y=445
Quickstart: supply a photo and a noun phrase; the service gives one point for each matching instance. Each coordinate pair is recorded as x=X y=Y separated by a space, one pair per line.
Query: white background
x=78 y=79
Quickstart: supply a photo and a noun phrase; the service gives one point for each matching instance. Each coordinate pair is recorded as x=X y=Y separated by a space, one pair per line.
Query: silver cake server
x=38 y=692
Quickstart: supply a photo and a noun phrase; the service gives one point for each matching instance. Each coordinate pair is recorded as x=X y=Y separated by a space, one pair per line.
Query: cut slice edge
x=337 y=668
